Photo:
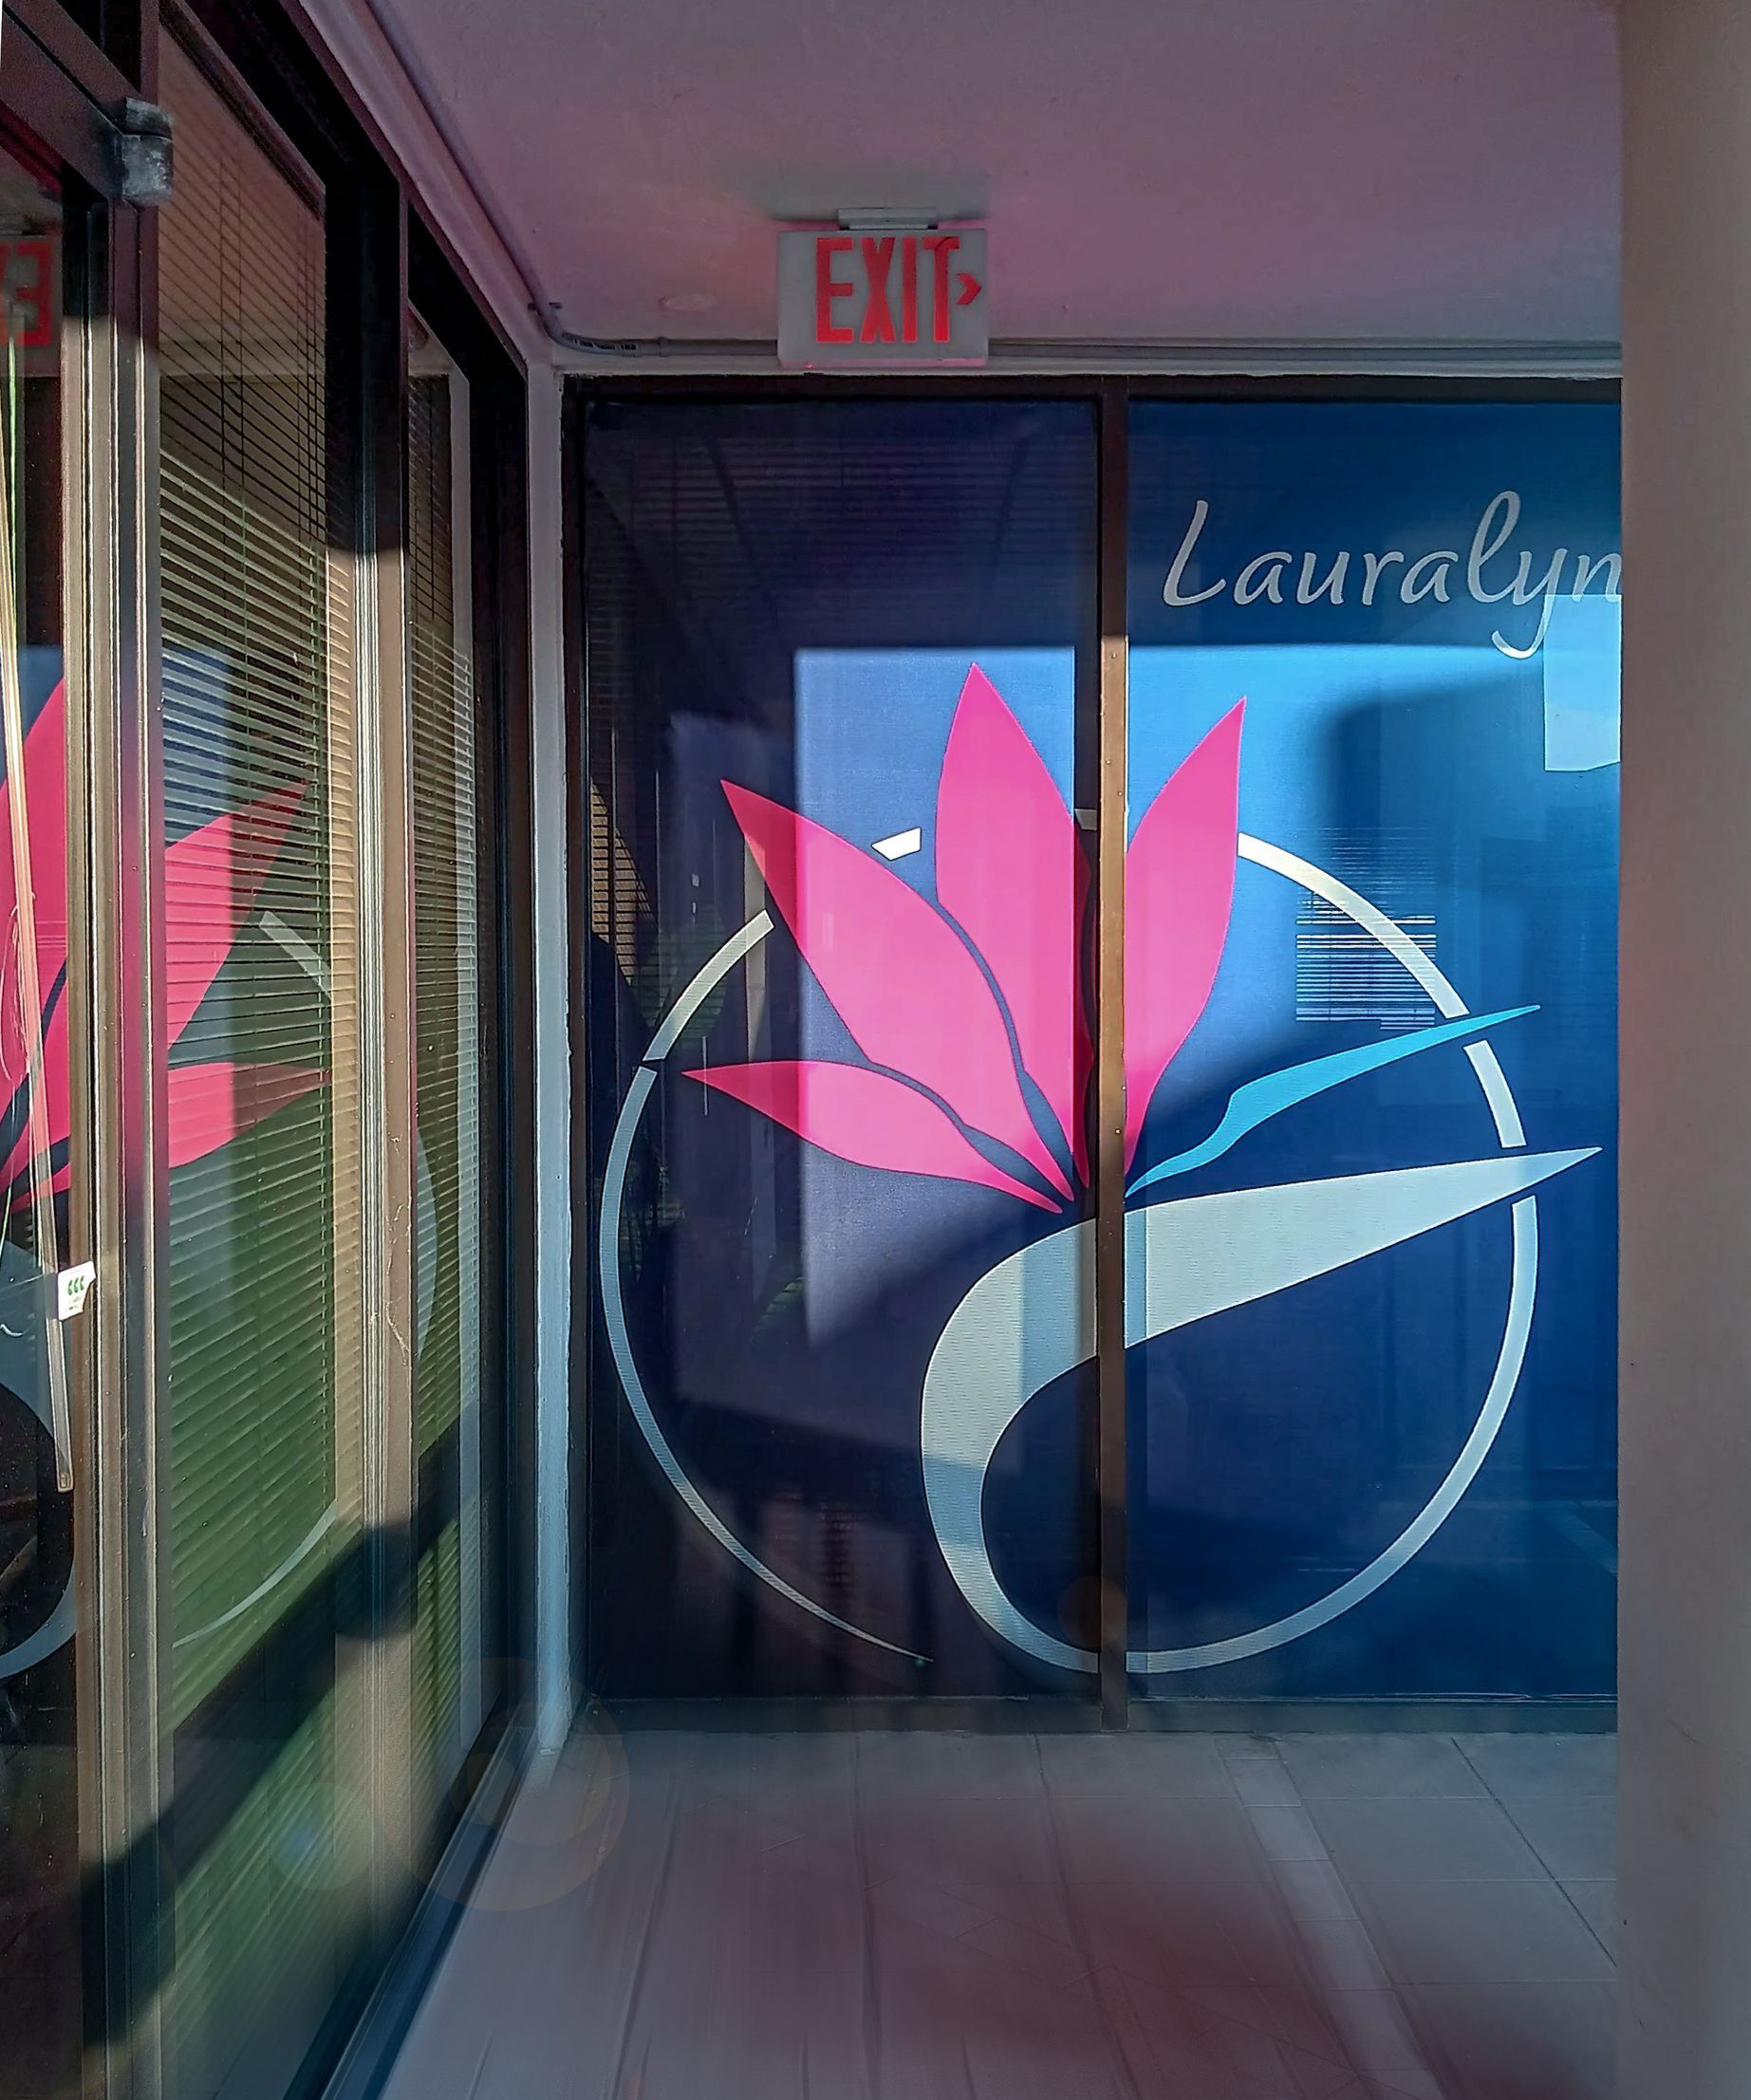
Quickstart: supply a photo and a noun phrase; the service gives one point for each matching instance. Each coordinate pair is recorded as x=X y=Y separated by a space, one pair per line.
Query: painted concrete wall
x=1685 y=1888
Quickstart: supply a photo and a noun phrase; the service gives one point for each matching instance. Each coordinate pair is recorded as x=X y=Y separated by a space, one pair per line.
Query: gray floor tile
x=912 y=1762
x=1575 y=1835
x=1313 y=1889
x=1596 y=1901
x=1202 y=2054
x=1326 y=1767
x=1287 y=1835
x=922 y=1904
x=1543 y=1763
x=1111 y=1837
x=1427 y=1838
x=1263 y=1783
x=1481 y=1932
x=952 y=2020
x=1343 y=1956
x=1036 y=1954
x=1133 y=2062
x=1376 y=2030
x=1522 y=2041
x=1160 y=1765
x=1394 y=2084
x=947 y=1841
x=1317 y=2079
x=1225 y=1945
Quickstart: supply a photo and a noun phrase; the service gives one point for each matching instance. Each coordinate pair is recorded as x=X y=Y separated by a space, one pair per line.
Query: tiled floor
x=951 y=1917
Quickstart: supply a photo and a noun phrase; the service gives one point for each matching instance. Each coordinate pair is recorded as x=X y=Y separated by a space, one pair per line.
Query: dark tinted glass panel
x=1370 y=1035
x=266 y=1228
x=838 y=656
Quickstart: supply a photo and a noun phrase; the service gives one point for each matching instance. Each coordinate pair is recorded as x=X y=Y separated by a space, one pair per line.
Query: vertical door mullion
x=119 y=1179
x=378 y=1680
x=1111 y=823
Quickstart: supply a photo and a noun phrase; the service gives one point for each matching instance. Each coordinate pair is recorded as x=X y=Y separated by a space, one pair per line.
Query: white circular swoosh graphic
x=1031 y=1319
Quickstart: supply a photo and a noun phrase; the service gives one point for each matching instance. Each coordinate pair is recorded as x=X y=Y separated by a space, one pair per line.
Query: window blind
x=447 y=1664
x=265 y=1225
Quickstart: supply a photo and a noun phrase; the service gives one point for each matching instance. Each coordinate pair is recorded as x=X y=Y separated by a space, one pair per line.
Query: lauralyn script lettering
x=1488 y=572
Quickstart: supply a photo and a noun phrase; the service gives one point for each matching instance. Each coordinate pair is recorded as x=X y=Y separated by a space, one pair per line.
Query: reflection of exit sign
x=884 y=296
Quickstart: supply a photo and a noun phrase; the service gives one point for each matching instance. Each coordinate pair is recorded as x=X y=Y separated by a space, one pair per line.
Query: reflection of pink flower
x=914 y=983
x=211 y=881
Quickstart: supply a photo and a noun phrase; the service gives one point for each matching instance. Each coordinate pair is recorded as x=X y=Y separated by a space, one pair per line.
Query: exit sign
x=884 y=296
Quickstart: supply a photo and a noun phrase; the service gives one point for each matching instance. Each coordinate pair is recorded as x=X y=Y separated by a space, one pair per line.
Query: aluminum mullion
x=1108 y=1151
x=119 y=1172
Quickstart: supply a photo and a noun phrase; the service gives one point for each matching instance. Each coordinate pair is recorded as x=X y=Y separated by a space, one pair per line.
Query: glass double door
x=865 y=1118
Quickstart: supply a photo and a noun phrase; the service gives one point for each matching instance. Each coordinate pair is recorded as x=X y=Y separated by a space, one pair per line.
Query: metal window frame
x=497 y=468
x=73 y=94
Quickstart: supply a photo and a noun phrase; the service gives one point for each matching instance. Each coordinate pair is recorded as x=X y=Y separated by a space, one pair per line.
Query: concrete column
x=1684 y=1887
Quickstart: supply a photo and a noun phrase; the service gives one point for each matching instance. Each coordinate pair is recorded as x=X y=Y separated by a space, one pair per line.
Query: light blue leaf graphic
x=1258 y=1100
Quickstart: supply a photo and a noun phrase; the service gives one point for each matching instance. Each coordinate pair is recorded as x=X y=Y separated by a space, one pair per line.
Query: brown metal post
x=1110 y=1058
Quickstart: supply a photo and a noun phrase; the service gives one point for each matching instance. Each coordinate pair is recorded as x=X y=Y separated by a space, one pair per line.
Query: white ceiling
x=1402 y=171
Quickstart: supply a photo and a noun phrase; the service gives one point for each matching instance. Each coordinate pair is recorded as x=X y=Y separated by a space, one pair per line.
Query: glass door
x=838 y=731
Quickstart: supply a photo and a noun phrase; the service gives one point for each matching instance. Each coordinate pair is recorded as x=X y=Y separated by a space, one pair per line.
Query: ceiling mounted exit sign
x=883 y=295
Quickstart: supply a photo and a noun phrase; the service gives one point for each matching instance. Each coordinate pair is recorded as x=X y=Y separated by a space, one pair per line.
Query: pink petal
x=1179 y=889
x=210 y=1105
x=863 y=1117
x=57 y=1094
x=909 y=991
x=1010 y=872
x=211 y=879
x=46 y=822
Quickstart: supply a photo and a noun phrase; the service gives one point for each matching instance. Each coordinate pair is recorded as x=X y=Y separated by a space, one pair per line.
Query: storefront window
x=840 y=712
x=256 y=1558
x=840 y=661
x=267 y=1448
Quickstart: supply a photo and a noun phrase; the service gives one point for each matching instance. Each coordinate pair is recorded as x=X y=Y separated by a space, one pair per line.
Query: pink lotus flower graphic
x=952 y=1004
x=211 y=878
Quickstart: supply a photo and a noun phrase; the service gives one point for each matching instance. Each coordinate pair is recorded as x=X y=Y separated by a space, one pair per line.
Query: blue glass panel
x=1372 y=1398
x=813 y=981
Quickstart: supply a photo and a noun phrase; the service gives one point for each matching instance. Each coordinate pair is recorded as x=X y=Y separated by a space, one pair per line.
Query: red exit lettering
x=881 y=293
x=874 y=257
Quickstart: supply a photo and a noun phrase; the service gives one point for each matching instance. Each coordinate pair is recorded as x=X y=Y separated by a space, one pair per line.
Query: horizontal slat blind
x=448 y=1631
x=246 y=700
x=265 y=1225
